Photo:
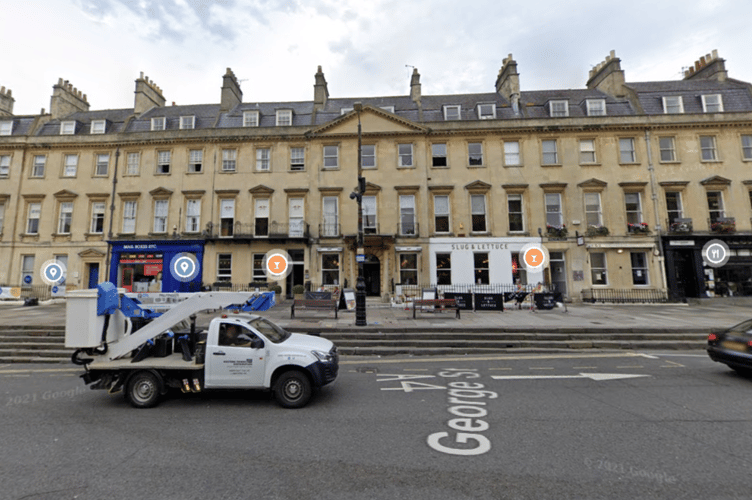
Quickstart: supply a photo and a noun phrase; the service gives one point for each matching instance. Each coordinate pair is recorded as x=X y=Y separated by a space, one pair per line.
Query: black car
x=733 y=347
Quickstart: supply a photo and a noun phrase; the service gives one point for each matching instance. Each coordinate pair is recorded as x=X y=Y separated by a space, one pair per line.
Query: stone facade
x=621 y=182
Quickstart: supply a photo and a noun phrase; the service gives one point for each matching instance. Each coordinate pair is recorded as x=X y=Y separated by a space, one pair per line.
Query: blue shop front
x=144 y=266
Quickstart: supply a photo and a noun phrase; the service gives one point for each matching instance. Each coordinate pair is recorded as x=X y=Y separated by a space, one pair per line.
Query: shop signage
x=681 y=243
x=489 y=302
x=464 y=300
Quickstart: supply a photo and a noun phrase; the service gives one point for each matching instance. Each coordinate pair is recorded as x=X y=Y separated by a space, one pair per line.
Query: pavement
x=697 y=317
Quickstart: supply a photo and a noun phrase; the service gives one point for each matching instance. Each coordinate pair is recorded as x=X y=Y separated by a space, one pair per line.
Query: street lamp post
x=360 y=284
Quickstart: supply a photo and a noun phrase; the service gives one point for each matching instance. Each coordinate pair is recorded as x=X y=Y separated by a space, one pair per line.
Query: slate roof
x=735 y=95
x=21 y=124
x=115 y=120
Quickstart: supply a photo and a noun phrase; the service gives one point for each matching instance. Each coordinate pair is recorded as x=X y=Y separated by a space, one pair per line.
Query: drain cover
x=367 y=369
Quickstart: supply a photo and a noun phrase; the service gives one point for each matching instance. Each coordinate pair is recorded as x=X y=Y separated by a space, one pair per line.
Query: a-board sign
x=349 y=294
x=464 y=300
x=489 y=302
x=544 y=300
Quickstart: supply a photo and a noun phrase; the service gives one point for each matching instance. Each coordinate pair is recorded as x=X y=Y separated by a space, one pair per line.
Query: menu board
x=544 y=300
x=489 y=302
x=464 y=300
x=349 y=294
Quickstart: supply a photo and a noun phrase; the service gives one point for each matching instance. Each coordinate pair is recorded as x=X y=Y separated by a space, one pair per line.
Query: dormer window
x=389 y=109
x=344 y=111
x=596 y=107
x=250 y=118
x=451 y=113
x=673 y=105
x=558 y=109
x=6 y=128
x=486 y=111
x=187 y=122
x=98 y=126
x=712 y=103
x=158 y=123
x=67 y=128
x=284 y=117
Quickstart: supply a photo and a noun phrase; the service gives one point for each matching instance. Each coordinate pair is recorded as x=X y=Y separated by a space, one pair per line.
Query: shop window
x=409 y=268
x=598 y=271
x=330 y=268
x=259 y=271
x=224 y=267
x=639 y=268
x=443 y=268
x=481 y=268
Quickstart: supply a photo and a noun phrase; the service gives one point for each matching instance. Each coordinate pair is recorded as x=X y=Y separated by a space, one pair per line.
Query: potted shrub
x=277 y=290
x=639 y=228
x=298 y=291
x=597 y=231
x=556 y=231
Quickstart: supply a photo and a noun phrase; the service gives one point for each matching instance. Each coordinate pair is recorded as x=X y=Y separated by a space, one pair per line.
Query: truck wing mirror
x=257 y=343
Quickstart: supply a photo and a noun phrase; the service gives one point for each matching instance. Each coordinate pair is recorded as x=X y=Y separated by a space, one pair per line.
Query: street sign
x=360 y=258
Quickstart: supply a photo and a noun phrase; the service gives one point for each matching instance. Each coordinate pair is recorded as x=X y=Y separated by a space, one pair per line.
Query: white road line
x=489 y=358
x=593 y=376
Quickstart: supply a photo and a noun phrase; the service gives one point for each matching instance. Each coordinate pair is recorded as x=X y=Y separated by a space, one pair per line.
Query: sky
x=366 y=48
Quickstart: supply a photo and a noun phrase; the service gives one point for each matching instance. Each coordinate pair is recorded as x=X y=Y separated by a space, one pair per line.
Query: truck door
x=237 y=360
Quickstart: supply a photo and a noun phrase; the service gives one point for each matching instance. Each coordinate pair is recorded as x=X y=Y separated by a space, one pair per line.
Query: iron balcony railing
x=679 y=225
x=329 y=230
x=241 y=230
x=624 y=296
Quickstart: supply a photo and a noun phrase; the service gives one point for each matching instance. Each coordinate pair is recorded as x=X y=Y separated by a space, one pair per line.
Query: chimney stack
x=66 y=99
x=415 y=93
x=320 y=91
x=708 y=67
x=508 y=83
x=6 y=102
x=231 y=93
x=608 y=76
x=148 y=95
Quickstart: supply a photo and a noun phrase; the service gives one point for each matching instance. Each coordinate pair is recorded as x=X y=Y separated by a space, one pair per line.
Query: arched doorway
x=372 y=275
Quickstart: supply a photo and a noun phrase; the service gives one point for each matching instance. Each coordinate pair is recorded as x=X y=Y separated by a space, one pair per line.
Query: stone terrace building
x=622 y=182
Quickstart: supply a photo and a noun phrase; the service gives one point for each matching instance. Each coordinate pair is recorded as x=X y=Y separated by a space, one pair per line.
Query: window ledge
x=631 y=163
x=551 y=165
x=194 y=173
x=447 y=166
x=596 y=164
x=296 y=171
x=672 y=162
x=513 y=166
x=711 y=161
x=330 y=169
x=411 y=167
x=518 y=233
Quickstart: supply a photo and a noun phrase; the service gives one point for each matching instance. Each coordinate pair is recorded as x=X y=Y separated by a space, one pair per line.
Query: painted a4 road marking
x=592 y=376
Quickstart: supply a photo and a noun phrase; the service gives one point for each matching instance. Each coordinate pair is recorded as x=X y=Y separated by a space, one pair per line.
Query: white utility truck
x=124 y=346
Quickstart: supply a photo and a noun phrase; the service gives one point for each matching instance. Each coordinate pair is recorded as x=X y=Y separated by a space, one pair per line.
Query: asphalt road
x=535 y=426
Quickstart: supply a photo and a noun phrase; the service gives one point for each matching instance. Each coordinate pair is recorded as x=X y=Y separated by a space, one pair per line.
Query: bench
x=442 y=304
x=315 y=304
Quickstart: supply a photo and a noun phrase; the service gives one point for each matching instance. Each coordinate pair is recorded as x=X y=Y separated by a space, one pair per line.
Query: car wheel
x=293 y=389
x=143 y=390
x=744 y=372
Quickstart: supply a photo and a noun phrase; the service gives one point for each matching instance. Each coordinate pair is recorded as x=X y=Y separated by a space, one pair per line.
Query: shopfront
x=688 y=276
x=144 y=266
x=480 y=261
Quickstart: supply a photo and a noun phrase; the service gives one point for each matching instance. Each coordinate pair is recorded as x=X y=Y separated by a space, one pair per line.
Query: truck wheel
x=293 y=389
x=143 y=390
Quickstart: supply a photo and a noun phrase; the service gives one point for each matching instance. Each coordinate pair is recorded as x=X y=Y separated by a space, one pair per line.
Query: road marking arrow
x=592 y=376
